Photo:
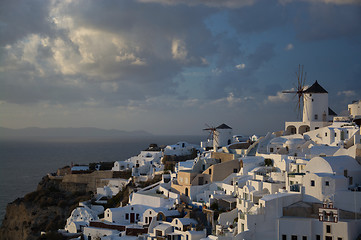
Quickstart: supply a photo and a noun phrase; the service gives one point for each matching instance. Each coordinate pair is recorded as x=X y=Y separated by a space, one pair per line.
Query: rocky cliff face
x=46 y=209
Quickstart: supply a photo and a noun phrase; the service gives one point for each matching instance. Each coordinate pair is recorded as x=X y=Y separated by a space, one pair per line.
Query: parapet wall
x=92 y=180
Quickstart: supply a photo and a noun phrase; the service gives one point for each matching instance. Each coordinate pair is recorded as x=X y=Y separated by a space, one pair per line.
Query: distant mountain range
x=68 y=132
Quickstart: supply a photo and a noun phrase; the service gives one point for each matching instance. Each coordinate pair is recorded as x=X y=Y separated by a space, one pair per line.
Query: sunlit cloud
x=348 y=93
x=241 y=66
x=279 y=97
x=289 y=47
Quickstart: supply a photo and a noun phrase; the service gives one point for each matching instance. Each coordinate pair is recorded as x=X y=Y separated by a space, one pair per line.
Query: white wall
x=152 y=201
x=348 y=200
x=355 y=108
x=98 y=232
x=295 y=226
x=315 y=103
x=227 y=217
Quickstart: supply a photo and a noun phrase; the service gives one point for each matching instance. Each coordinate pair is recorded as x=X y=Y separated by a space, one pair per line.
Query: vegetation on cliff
x=45 y=209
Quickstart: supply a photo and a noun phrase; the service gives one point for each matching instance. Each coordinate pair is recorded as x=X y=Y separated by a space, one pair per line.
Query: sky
x=173 y=66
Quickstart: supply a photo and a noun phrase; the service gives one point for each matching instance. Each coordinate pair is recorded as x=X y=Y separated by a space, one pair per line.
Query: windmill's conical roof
x=223 y=126
x=315 y=88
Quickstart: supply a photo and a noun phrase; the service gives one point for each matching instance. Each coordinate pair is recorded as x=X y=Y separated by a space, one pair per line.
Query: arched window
x=186 y=192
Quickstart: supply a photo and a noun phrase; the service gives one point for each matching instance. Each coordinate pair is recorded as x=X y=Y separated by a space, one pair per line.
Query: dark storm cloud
x=327 y=21
x=116 y=51
x=261 y=16
x=139 y=47
x=311 y=20
x=239 y=81
x=19 y=18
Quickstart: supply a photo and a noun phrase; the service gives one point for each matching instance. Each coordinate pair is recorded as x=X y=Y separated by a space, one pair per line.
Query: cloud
x=323 y=20
x=241 y=66
x=231 y=79
x=209 y=3
x=179 y=50
x=21 y=18
x=279 y=97
x=87 y=48
x=124 y=59
x=336 y=2
x=259 y=17
x=348 y=93
x=289 y=47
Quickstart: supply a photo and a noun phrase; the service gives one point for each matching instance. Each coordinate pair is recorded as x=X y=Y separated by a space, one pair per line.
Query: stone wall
x=92 y=180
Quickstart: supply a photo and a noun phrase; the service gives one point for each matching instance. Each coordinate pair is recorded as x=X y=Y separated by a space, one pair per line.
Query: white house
x=354 y=109
x=145 y=157
x=112 y=187
x=80 y=217
x=339 y=165
x=125 y=215
x=179 y=149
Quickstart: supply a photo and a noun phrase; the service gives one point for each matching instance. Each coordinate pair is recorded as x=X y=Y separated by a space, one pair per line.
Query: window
x=339 y=238
x=293 y=237
x=271 y=149
x=316 y=116
x=127 y=216
x=284 y=237
x=210 y=171
x=328 y=228
x=327 y=183
x=312 y=183
x=335 y=134
x=312 y=99
x=345 y=172
x=158 y=233
x=108 y=215
x=350 y=181
x=235 y=170
x=316 y=128
x=325 y=134
x=304 y=237
x=318 y=237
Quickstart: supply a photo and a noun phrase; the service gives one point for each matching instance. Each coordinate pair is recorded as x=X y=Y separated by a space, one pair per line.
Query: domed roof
x=334 y=164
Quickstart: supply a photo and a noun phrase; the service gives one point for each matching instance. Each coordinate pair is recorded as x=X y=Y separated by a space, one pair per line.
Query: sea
x=23 y=162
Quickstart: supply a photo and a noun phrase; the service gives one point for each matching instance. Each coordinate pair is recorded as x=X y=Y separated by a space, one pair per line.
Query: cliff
x=45 y=209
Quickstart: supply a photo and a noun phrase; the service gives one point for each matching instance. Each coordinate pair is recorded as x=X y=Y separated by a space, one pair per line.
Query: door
x=200 y=181
x=132 y=218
